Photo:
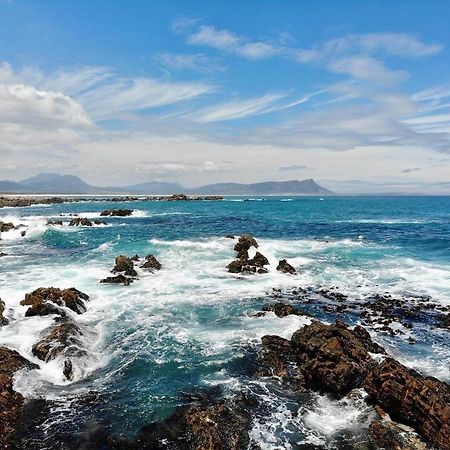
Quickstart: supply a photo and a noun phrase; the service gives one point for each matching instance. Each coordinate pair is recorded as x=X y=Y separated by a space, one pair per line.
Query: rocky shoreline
x=409 y=411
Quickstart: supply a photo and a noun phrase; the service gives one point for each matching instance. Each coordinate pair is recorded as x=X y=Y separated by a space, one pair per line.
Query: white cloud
x=197 y=62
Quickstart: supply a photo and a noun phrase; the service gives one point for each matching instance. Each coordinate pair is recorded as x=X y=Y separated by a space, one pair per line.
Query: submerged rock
x=151 y=263
x=99 y=222
x=63 y=340
x=11 y=402
x=285 y=267
x=118 y=279
x=42 y=301
x=410 y=398
x=125 y=265
x=283 y=310
x=117 y=212
x=80 y=222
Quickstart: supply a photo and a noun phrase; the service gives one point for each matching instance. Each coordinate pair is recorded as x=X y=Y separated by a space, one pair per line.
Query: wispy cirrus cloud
x=197 y=62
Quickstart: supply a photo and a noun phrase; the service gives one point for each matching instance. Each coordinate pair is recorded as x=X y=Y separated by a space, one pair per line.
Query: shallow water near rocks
x=191 y=326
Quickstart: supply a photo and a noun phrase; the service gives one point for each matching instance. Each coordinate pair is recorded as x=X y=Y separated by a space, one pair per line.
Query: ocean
x=192 y=326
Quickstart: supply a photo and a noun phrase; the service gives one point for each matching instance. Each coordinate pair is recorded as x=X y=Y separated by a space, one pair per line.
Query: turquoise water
x=191 y=326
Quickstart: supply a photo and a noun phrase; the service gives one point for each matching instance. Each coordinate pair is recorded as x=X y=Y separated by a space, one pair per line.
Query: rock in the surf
x=118 y=279
x=99 y=222
x=151 y=263
x=283 y=310
x=117 y=212
x=3 y=319
x=285 y=267
x=6 y=226
x=243 y=245
x=413 y=399
x=124 y=265
x=80 y=222
x=64 y=341
x=11 y=402
x=44 y=301
x=55 y=222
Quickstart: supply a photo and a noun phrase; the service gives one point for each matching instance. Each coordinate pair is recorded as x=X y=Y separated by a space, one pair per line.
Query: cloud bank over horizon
x=214 y=103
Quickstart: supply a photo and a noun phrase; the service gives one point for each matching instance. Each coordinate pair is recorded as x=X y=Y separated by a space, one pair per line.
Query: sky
x=354 y=93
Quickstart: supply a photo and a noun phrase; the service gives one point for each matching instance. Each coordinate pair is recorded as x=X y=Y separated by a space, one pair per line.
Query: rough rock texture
x=415 y=400
x=6 y=226
x=223 y=425
x=117 y=212
x=118 y=279
x=259 y=260
x=125 y=265
x=61 y=340
x=80 y=222
x=99 y=222
x=285 y=267
x=41 y=299
x=151 y=263
x=11 y=402
x=243 y=245
x=277 y=358
x=55 y=222
x=17 y=202
x=3 y=319
x=283 y=310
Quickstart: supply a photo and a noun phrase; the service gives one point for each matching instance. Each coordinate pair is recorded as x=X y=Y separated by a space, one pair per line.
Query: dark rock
x=55 y=222
x=277 y=354
x=99 y=222
x=235 y=266
x=229 y=236
x=118 y=279
x=125 y=265
x=243 y=245
x=41 y=299
x=117 y=212
x=285 y=267
x=11 y=402
x=80 y=222
x=6 y=226
x=259 y=260
x=283 y=310
x=3 y=319
x=63 y=340
x=135 y=258
x=412 y=399
x=151 y=263
x=3 y=254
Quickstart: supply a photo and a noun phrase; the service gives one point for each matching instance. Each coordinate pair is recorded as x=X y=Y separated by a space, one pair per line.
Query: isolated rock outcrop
x=243 y=263
x=151 y=263
x=118 y=279
x=80 y=222
x=42 y=301
x=285 y=267
x=243 y=245
x=117 y=212
x=124 y=265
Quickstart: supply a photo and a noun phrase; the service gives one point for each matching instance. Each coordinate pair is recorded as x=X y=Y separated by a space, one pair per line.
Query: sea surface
x=191 y=326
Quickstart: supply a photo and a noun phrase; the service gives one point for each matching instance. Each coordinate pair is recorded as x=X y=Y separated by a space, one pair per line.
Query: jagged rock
x=283 y=310
x=6 y=226
x=259 y=260
x=229 y=236
x=235 y=266
x=276 y=357
x=80 y=222
x=17 y=202
x=118 y=279
x=63 y=340
x=55 y=222
x=444 y=321
x=151 y=263
x=223 y=425
x=99 y=222
x=410 y=398
x=285 y=267
x=125 y=265
x=41 y=299
x=3 y=320
x=117 y=212
x=135 y=258
x=11 y=402
x=243 y=245
x=391 y=435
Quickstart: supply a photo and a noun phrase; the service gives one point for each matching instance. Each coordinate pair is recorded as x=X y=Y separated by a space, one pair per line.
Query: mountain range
x=54 y=183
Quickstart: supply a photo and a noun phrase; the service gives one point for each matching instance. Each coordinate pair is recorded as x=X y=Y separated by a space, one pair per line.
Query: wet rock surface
x=11 y=402
x=44 y=301
x=244 y=264
x=3 y=319
x=285 y=267
x=80 y=222
x=118 y=279
x=151 y=263
x=124 y=265
x=284 y=309
x=117 y=212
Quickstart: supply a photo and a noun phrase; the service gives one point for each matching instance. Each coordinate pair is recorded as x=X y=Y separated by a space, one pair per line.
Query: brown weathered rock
x=6 y=226
x=117 y=212
x=259 y=260
x=125 y=265
x=118 y=279
x=62 y=340
x=243 y=245
x=41 y=299
x=410 y=398
x=11 y=402
x=276 y=357
x=80 y=222
x=235 y=266
x=285 y=267
x=283 y=310
x=151 y=263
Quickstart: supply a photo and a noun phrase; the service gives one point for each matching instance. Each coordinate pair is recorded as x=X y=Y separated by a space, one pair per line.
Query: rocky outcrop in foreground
x=336 y=359
x=11 y=402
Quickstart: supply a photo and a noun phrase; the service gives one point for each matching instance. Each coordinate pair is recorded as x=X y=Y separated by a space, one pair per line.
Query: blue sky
x=355 y=94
